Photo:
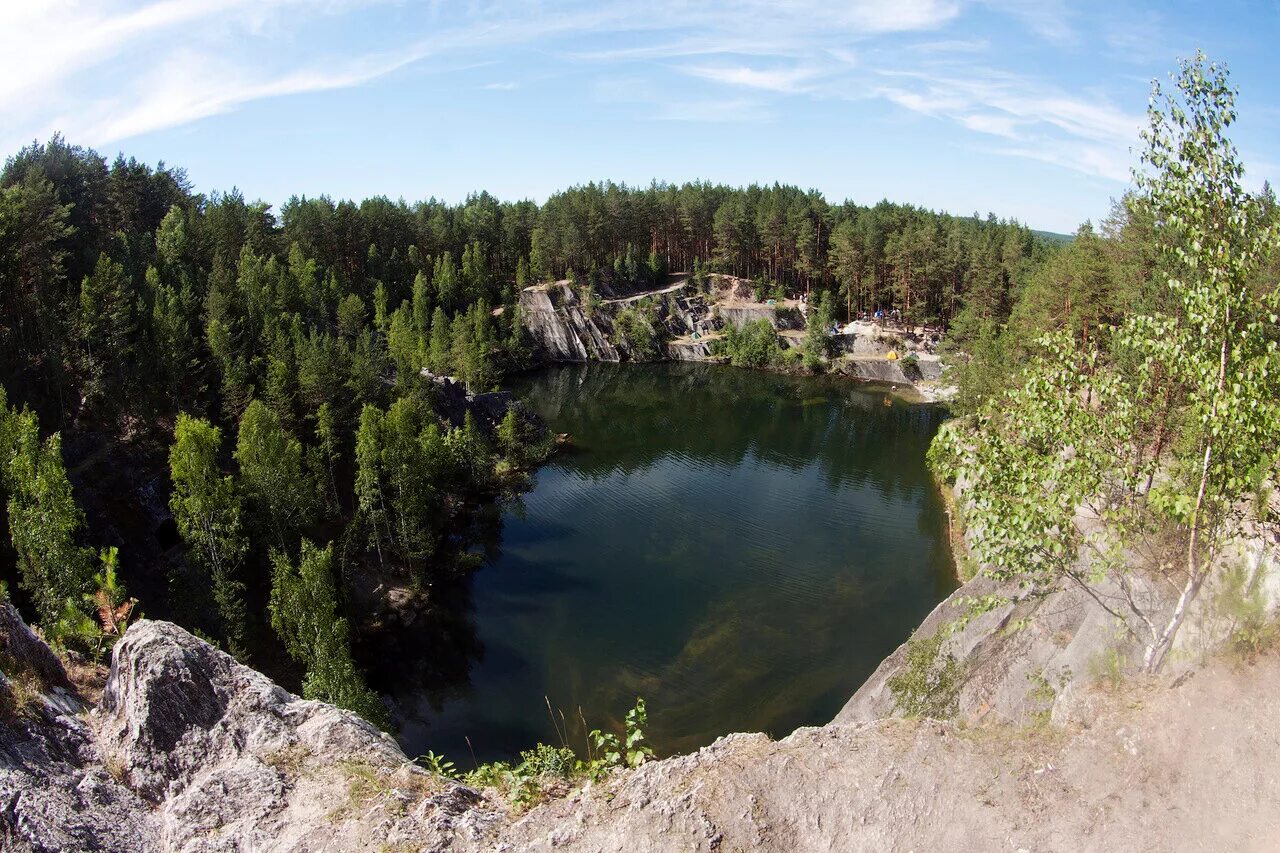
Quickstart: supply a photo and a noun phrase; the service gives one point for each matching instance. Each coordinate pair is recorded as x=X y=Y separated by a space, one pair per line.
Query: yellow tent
x=893 y=355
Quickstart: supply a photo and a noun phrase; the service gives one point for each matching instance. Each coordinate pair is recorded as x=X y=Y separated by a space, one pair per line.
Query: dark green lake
x=742 y=549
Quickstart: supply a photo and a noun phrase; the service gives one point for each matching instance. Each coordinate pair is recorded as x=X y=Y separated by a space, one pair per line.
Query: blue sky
x=1028 y=109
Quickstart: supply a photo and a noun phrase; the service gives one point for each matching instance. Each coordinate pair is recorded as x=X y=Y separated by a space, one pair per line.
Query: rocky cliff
x=1048 y=741
x=685 y=322
x=188 y=750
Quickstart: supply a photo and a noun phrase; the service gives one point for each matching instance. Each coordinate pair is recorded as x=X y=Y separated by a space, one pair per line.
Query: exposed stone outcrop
x=56 y=789
x=1038 y=654
x=189 y=750
x=557 y=320
x=564 y=329
x=230 y=760
x=1152 y=768
x=454 y=403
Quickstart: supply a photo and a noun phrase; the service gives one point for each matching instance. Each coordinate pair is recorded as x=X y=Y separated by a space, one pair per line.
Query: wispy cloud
x=773 y=80
x=1048 y=19
x=128 y=67
x=1087 y=134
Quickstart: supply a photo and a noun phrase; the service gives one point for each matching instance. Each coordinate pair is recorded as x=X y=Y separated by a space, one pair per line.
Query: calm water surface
x=741 y=549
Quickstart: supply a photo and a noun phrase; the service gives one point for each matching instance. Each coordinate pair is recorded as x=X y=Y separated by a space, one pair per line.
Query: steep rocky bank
x=1046 y=739
x=687 y=321
x=189 y=750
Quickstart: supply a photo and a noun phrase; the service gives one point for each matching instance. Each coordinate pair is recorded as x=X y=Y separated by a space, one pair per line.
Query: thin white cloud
x=43 y=44
x=772 y=80
x=1087 y=134
x=189 y=88
x=128 y=67
x=1049 y=19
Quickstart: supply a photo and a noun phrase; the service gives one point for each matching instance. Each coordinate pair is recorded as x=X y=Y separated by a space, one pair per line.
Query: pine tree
x=174 y=357
x=475 y=273
x=328 y=443
x=402 y=347
x=107 y=332
x=440 y=352
x=421 y=306
x=380 y=318
x=509 y=435
x=371 y=502
x=445 y=278
x=351 y=316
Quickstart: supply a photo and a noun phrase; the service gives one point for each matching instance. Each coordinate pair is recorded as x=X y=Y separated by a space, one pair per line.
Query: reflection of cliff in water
x=722 y=414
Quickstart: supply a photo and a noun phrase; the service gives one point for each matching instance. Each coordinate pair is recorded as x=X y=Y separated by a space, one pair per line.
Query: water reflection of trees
x=430 y=649
x=626 y=417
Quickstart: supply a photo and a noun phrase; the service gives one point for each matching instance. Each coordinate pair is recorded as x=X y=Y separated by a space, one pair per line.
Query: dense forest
x=268 y=369
x=270 y=377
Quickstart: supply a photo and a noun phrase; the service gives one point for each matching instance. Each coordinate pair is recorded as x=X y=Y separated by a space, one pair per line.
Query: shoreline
x=925 y=393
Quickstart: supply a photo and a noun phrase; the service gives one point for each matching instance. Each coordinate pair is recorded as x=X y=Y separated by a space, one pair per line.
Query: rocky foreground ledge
x=189 y=750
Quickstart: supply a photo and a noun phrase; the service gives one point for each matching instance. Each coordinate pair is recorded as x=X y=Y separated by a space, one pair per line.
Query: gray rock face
x=557 y=321
x=875 y=370
x=56 y=792
x=20 y=644
x=689 y=350
x=231 y=760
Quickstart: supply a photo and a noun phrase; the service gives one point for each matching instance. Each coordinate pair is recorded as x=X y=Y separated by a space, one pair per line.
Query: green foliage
x=1242 y=601
x=351 y=316
x=817 y=336
x=304 y=613
x=520 y=441
x=207 y=510
x=106 y=331
x=44 y=520
x=1164 y=432
x=629 y=750
x=438 y=765
x=523 y=781
x=928 y=683
x=554 y=761
x=440 y=352
x=271 y=472
x=754 y=344
x=110 y=601
x=635 y=330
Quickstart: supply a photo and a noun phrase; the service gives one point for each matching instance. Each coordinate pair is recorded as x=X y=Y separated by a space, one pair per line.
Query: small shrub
x=633 y=329
x=1241 y=601
x=437 y=764
x=487 y=775
x=928 y=684
x=546 y=760
x=754 y=344
x=631 y=750
x=1107 y=668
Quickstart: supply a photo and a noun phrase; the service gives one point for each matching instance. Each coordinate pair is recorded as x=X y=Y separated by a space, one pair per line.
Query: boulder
x=233 y=761
x=57 y=792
